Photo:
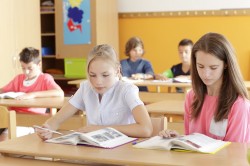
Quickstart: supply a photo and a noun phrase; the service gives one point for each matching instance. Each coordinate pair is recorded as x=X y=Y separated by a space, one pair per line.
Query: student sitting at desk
x=107 y=101
x=135 y=66
x=218 y=104
x=180 y=70
x=32 y=82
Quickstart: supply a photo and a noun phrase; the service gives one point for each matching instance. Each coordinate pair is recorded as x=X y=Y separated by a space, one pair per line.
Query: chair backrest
x=159 y=124
x=8 y=120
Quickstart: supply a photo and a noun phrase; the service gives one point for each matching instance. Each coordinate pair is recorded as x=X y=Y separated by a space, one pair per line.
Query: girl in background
x=135 y=66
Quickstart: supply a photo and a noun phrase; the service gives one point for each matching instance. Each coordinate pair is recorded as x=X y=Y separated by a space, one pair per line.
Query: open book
x=105 y=138
x=193 y=142
x=182 y=80
x=10 y=95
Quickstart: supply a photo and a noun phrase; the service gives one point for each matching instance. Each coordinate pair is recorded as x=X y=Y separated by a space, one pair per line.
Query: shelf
x=47 y=12
x=61 y=77
x=48 y=56
x=47 y=9
x=48 y=34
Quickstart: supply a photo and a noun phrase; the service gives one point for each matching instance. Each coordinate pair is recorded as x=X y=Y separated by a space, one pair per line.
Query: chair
x=8 y=120
x=159 y=124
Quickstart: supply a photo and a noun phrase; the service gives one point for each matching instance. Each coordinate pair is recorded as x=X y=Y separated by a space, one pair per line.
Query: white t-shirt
x=115 y=107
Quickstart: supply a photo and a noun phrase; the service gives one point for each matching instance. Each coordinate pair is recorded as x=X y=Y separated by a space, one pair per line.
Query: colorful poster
x=76 y=22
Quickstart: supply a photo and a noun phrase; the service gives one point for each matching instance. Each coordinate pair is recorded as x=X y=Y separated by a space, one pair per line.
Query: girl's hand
x=169 y=133
x=138 y=76
x=44 y=134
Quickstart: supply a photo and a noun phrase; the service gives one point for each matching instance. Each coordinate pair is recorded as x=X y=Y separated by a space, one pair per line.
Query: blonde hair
x=106 y=53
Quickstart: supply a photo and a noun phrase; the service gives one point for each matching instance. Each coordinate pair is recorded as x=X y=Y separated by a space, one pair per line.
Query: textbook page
x=194 y=142
x=105 y=138
x=182 y=80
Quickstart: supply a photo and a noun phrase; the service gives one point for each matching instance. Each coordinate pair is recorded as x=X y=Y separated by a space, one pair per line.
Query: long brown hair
x=233 y=84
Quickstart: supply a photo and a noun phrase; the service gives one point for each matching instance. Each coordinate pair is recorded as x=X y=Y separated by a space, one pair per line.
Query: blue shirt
x=139 y=66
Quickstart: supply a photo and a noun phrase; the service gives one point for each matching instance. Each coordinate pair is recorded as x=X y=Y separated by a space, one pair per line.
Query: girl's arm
x=54 y=122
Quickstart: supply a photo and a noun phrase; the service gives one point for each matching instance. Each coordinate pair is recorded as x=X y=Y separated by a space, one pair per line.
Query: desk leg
x=169 y=89
x=158 y=89
x=53 y=111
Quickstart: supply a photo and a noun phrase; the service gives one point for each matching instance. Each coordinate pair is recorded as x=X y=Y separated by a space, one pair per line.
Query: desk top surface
x=13 y=161
x=48 y=102
x=154 y=82
x=143 y=83
x=167 y=107
x=234 y=154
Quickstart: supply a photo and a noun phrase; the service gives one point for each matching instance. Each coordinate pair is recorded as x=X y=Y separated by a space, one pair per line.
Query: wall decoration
x=76 y=22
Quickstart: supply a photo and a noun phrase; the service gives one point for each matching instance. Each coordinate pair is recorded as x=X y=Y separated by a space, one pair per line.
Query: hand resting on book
x=169 y=133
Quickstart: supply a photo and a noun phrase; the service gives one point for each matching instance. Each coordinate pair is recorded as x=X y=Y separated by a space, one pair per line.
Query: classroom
x=66 y=32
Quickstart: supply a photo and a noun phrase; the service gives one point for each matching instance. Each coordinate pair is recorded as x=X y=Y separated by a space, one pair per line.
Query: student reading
x=107 y=100
x=218 y=104
x=180 y=70
x=135 y=66
x=33 y=82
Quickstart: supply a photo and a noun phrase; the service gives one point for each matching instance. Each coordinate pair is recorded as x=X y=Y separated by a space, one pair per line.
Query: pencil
x=53 y=131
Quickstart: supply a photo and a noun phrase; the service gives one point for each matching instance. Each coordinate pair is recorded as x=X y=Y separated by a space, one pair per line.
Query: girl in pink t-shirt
x=218 y=104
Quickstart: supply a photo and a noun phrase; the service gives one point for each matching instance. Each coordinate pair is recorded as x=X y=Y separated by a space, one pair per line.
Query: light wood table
x=156 y=83
x=152 y=97
x=13 y=161
x=169 y=108
x=34 y=119
x=47 y=102
x=76 y=82
x=31 y=145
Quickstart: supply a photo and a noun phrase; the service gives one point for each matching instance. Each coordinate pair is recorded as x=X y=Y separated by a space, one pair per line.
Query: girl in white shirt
x=107 y=101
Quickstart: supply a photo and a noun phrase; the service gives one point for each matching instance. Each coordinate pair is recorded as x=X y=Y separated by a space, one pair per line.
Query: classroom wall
x=161 y=35
x=127 y=6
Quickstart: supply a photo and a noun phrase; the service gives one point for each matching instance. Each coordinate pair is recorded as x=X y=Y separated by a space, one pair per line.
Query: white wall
x=127 y=6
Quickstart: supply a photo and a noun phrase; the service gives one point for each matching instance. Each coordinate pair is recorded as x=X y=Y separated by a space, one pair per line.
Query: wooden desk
x=152 y=97
x=31 y=145
x=48 y=102
x=13 y=161
x=34 y=119
x=76 y=82
x=169 y=108
x=156 y=83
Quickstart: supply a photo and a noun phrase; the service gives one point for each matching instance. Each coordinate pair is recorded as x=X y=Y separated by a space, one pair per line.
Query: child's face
x=185 y=53
x=102 y=75
x=30 y=70
x=210 y=69
x=136 y=53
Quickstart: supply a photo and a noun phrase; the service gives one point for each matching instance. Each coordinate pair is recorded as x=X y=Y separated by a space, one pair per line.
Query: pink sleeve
x=238 y=129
